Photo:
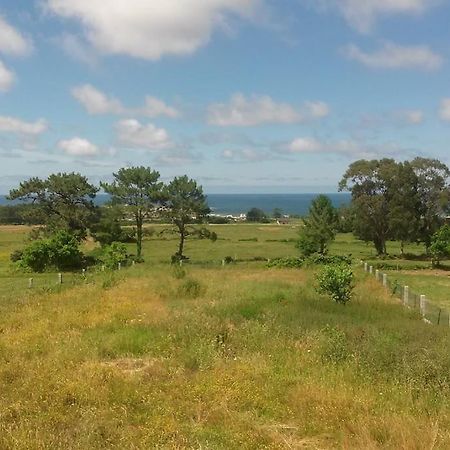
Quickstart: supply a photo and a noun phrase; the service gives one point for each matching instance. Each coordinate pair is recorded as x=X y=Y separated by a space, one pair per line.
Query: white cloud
x=317 y=110
x=7 y=78
x=78 y=147
x=154 y=107
x=12 y=42
x=257 y=110
x=363 y=14
x=412 y=117
x=345 y=147
x=96 y=102
x=132 y=133
x=150 y=29
x=444 y=111
x=393 y=56
x=244 y=155
x=177 y=157
x=18 y=126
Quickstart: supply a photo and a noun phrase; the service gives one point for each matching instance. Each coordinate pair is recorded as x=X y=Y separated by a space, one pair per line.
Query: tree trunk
x=181 y=244
x=139 y=236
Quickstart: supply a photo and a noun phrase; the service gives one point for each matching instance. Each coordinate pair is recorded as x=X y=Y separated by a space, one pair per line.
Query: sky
x=251 y=96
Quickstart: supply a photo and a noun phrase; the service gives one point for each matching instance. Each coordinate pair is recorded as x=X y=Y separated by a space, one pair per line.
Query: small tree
x=336 y=280
x=139 y=190
x=186 y=205
x=319 y=227
x=440 y=245
x=107 y=228
x=256 y=215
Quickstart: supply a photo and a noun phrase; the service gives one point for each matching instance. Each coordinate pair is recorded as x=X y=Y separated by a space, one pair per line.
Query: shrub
x=60 y=251
x=336 y=280
x=16 y=255
x=114 y=254
x=229 y=260
x=321 y=259
x=440 y=245
x=289 y=263
x=190 y=288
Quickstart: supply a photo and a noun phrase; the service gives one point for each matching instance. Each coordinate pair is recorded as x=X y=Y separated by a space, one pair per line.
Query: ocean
x=236 y=204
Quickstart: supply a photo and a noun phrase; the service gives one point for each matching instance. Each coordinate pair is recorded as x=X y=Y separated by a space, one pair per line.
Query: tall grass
x=220 y=358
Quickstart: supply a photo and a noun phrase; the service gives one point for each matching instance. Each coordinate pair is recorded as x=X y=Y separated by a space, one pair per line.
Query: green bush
x=440 y=245
x=286 y=263
x=190 y=288
x=318 y=259
x=114 y=254
x=59 y=251
x=336 y=280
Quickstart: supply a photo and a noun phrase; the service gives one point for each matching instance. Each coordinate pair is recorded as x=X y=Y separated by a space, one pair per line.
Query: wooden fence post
x=371 y=270
x=60 y=278
x=30 y=283
x=365 y=267
x=377 y=274
x=385 y=279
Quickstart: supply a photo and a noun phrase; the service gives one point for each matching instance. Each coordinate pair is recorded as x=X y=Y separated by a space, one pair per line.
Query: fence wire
x=430 y=312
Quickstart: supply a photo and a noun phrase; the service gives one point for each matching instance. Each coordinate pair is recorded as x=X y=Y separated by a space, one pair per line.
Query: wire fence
x=431 y=313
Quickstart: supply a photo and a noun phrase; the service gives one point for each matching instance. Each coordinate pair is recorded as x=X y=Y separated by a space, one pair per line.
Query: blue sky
x=243 y=95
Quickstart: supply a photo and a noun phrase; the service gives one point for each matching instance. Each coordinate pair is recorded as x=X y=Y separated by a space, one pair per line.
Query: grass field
x=217 y=357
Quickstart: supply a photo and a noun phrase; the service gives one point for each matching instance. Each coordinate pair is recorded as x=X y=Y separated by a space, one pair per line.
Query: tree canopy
x=63 y=201
x=139 y=190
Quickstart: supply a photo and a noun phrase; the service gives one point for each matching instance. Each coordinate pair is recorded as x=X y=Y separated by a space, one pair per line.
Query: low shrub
x=114 y=254
x=60 y=251
x=286 y=263
x=336 y=280
x=318 y=259
x=190 y=288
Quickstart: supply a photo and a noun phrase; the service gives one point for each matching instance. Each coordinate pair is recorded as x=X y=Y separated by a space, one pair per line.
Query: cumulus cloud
x=393 y=56
x=97 y=102
x=131 y=133
x=12 y=42
x=18 y=126
x=363 y=14
x=150 y=29
x=7 y=78
x=444 y=110
x=78 y=147
x=262 y=109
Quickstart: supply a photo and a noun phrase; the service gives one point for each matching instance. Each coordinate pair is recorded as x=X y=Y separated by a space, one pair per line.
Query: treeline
x=403 y=201
x=63 y=204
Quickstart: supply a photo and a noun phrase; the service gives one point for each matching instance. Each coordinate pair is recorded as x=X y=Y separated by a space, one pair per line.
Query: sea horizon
x=235 y=204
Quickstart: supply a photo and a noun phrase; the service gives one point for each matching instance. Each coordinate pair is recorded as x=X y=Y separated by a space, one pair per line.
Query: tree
x=319 y=227
x=384 y=195
x=277 y=213
x=434 y=195
x=186 y=204
x=139 y=190
x=107 y=227
x=63 y=201
x=440 y=244
x=256 y=215
x=404 y=203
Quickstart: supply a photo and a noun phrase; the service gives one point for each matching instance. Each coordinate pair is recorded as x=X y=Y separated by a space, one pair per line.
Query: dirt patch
x=134 y=366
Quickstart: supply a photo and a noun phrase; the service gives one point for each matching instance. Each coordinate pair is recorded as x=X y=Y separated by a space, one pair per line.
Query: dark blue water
x=241 y=203
x=288 y=203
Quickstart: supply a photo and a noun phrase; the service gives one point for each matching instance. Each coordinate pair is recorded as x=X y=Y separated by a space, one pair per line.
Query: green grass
x=206 y=356
x=254 y=359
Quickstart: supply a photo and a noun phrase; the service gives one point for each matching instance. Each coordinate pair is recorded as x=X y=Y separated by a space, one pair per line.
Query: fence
x=430 y=312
